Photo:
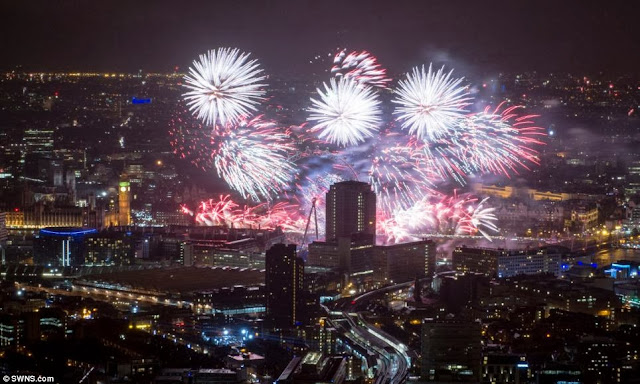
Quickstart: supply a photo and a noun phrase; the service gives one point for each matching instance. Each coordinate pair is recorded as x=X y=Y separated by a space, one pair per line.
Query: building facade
x=506 y=263
x=284 y=280
x=451 y=351
x=350 y=209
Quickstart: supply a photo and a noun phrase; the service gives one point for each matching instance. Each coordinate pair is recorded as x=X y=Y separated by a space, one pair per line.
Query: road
x=107 y=295
x=393 y=361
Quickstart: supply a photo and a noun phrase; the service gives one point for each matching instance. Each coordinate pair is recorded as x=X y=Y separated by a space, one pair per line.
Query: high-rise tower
x=351 y=210
x=284 y=278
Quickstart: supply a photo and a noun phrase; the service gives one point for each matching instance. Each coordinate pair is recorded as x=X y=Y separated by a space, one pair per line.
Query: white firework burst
x=223 y=86
x=430 y=102
x=346 y=113
x=483 y=219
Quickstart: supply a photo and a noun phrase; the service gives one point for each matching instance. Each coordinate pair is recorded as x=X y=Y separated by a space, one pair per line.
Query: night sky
x=479 y=36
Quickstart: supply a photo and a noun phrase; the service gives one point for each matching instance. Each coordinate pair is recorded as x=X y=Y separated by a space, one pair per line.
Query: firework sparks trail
x=430 y=103
x=192 y=141
x=362 y=66
x=215 y=213
x=438 y=214
x=346 y=113
x=225 y=212
x=487 y=142
x=224 y=85
x=254 y=159
x=397 y=178
x=479 y=219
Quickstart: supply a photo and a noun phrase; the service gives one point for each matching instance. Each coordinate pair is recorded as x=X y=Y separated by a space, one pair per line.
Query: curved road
x=393 y=361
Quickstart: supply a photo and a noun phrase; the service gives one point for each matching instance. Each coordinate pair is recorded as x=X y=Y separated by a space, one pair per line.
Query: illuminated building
x=109 y=248
x=363 y=261
x=350 y=231
x=600 y=360
x=3 y=235
x=41 y=216
x=509 y=192
x=623 y=269
x=135 y=173
x=225 y=257
x=326 y=337
x=314 y=367
x=3 y=227
x=231 y=301
x=566 y=295
x=451 y=351
x=10 y=331
x=124 y=203
x=53 y=323
x=18 y=329
x=186 y=253
x=14 y=219
x=585 y=215
x=633 y=183
x=38 y=140
x=284 y=278
x=350 y=254
x=505 y=369
x=350 y=209
x=628 y=291
x=559 y=373
x=492 y=190
x=172 y=217
x=506 y=263
x=60 y=246
x=406 y=261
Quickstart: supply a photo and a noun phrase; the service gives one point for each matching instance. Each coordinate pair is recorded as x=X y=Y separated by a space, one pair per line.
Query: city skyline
x=299 y=192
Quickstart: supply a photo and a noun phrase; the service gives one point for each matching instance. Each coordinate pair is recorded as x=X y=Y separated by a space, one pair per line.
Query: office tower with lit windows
x=109 y=248
x=3 y=235
x=350 y=210
x=38 y=140
x=284 y=278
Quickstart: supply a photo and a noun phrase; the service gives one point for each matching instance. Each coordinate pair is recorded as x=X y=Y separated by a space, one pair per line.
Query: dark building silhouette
x=351 y=209
x=451 y=351
x=284 y=280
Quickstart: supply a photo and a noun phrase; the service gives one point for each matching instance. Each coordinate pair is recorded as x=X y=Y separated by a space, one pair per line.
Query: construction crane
x=315 y=216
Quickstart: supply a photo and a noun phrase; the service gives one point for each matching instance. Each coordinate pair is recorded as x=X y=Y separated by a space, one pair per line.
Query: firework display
x=487 y=142
x=454 y=215
x=430 y=140
x=224 y=85
x=397 y=176
x=225 y=212
x=430 y=103
x=347 y=112
x=253 y=159
x=361 y=66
